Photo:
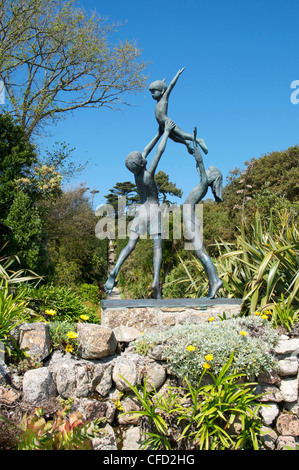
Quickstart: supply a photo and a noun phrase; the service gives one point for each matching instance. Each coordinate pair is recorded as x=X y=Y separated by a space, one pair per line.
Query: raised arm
x=173 y=82
x=151 y=144
x=199 y=162
x=169 y=125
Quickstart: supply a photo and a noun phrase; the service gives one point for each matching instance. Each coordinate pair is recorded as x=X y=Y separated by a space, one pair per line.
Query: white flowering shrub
x=189 y=349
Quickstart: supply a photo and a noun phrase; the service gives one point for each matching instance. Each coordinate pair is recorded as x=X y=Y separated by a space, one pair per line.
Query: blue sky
x=240 y=58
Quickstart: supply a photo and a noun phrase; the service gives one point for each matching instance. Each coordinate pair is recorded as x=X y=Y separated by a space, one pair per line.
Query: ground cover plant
x=190 y=349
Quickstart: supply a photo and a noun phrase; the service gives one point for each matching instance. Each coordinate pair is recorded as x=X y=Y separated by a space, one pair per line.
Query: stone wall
x=149 y=314
x=94 y=380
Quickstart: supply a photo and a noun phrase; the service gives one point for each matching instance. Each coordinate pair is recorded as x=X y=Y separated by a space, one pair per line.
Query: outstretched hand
x=169 y=125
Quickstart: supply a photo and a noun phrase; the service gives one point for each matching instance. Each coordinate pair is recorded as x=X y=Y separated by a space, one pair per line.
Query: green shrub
x=202 y=416
x=67 y=304
x=188 y=349
x=258 y=268
x=89 y=293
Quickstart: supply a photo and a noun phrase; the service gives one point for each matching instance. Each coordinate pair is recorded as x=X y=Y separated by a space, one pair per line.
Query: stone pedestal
x=149 y=314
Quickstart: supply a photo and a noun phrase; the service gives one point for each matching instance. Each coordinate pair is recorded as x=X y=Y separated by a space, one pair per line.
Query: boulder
x=34 y=339
x=38 y=386
x=124 y=368
x=95 y=341
x=288 y=425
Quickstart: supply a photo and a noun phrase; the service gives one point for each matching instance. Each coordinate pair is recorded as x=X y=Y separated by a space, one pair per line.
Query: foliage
x=202 y=416
x=265 y=264
x=63 y=335
x=12 y=277
x=61 y=433
x=284 y=314
x=65 y=58
x=186 y=347
x=12 y=313
x=28 y=234
x=166 y=188
x=77 y=255
x=259 y=267
x=67 y=304
x=266 y=182
x=17 y=156
x=89 y=293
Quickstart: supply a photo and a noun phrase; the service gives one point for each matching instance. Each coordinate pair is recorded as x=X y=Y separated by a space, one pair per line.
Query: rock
x=73 y=380
x=38 y=386
x=289 y=389
x=8 y=396
x=126 y=334
x=129 y=404
x=132 y=438
x=102 y=379
x=107 y=441
x=286 y=443
x=293 y=408
x=269 y=413
x=288 y=425
x=269 y=437
x=4 y=373
x=157 y=352
x=93 y=409
x=287 y=346
x=288 y=366
x=124 y=367
x=269 y=392
x=95 y=341
x=156 y=376
x=271 y=378
x=34 y=339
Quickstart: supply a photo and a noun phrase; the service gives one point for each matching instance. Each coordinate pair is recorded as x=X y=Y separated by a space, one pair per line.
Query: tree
x=166 y=187
x=77 y=255
x=271 y=180
x=28 y=237
x=120 y=190
x=55 y=58
x=17 y=156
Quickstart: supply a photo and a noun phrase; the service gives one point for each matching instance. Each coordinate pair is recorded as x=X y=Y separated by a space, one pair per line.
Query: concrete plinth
x=149 y=314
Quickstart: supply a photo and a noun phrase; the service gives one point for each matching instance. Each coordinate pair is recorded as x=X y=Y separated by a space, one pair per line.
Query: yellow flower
x=190 y=348
x=256 y=313
x=211 y=319
x=265 y=317
x=268 y=312
x=84 y=317
x=206 y=365
x=69 y=348
x=72 y=335
x=51 y=312
x=243 y=333
x=209 y=357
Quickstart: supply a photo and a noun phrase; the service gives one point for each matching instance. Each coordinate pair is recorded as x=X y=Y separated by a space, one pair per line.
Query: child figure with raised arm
x=160 y=92
x=148 y=216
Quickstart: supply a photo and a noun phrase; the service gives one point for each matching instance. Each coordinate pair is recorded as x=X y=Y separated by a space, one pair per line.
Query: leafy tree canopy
x=55 y=57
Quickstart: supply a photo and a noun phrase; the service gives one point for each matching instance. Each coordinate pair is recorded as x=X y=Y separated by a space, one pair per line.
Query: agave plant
x=12 y=277
x=261 y=266
x=265 y=264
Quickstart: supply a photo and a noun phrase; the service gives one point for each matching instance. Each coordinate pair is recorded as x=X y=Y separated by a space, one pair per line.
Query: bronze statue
x=148 y=216
x=160 y=92
x=210 y=178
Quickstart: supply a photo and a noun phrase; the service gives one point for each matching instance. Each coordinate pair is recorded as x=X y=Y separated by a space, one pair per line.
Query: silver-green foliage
x=251 y=339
